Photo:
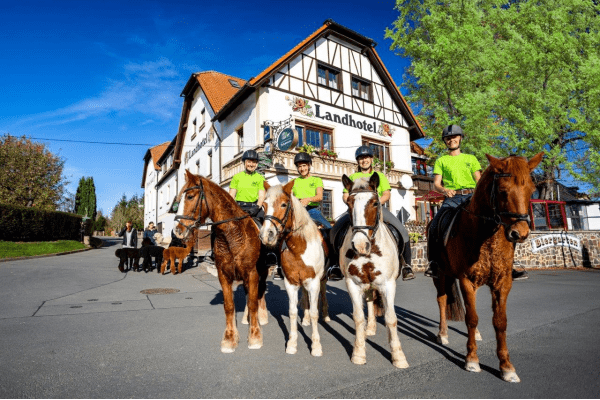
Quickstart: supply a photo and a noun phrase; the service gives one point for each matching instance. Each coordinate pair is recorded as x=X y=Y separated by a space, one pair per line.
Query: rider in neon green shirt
x=309 y=189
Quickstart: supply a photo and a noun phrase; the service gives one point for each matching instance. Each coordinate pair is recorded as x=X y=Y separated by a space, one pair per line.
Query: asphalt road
x=73 y=326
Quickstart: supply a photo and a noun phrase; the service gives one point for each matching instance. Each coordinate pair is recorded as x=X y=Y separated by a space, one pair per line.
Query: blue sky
x=112 y=71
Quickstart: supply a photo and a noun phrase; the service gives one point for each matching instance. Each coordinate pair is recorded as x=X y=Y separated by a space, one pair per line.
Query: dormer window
x=234 y=83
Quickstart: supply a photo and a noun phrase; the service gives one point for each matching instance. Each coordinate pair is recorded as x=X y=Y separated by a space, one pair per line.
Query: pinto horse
x=302 y=261
x=480 y=251
x=369 y=261
x=237 y=252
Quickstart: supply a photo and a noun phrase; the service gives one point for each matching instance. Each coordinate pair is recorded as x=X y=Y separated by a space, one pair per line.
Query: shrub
x=29 y=224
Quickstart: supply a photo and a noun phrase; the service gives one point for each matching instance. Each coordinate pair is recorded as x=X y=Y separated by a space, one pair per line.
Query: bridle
x=282 y=230
x=375 y=226
x=497 y=216
x=197 y=223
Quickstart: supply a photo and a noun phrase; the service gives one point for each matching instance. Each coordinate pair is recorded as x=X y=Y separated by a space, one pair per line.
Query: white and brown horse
x=302 y=261
x=237 y=252
x=369 y=261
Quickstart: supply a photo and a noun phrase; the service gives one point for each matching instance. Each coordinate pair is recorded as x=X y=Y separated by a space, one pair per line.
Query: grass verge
x=27 y=249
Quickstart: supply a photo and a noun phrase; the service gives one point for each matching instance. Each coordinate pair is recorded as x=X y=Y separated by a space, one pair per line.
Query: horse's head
x=510 y=193
x=278 y=209
x=191 y=204
x=365 y=211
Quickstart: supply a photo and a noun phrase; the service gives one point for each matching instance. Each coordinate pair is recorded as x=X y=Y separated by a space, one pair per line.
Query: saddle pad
x=338 y=241
x=443 y=226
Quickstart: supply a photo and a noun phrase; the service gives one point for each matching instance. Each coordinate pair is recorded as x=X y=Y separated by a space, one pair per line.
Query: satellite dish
x=406 y=182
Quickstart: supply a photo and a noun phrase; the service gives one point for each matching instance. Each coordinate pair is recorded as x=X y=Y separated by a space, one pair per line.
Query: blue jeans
x=316 y=215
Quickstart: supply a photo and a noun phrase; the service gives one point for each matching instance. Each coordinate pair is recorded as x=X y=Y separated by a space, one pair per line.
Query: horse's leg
x=313 y=291
x=499 y=297
x=231 y=336
x=371 y=320
x=263 y=315
x=245 y=320
x=305 y=305
x=292 y=291
x=391 y=323
x=469 y=294
x=359 y=355
x=323 y=304
x=442 y=297
x=255 y=338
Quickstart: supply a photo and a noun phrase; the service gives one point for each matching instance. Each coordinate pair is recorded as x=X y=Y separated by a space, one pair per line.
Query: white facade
x=213 y=141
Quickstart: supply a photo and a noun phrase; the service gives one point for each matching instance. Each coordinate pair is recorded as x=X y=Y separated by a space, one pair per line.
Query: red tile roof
x=156 y=152
x=217 y=88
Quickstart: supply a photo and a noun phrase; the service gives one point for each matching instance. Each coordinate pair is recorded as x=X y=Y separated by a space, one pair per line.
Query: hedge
x=23 y=224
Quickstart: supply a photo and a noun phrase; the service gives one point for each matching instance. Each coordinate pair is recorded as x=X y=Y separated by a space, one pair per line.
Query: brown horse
x=480 y=250
x=237 y=252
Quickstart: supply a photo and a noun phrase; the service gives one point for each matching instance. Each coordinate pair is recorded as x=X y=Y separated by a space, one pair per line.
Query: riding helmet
x=250 y=155
x=363 y=151
x=452 y=130
x=302 y=157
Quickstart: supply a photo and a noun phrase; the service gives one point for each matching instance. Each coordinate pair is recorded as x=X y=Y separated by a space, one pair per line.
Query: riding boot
x=432 y=267
x=407 y=272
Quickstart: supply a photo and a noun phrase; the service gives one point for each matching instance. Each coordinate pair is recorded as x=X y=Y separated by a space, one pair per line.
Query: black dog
x=128 y=256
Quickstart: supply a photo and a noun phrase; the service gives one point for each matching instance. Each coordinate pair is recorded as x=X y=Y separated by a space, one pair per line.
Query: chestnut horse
x=237 y=252
x=302 y=261
x=480 y=251
x=369 y=261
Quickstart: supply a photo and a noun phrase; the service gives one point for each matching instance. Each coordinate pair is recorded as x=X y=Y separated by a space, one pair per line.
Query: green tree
x=128 y=210
x=85 y=198
x=518 y=76
x=31 y=175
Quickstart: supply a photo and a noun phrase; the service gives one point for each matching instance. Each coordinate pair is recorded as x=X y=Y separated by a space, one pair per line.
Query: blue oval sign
x=287 y=139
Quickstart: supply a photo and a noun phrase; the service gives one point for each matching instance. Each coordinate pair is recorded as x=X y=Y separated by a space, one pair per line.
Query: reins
x=374 y=227
x=282 y=223
x=497 y=216
x=198 y=204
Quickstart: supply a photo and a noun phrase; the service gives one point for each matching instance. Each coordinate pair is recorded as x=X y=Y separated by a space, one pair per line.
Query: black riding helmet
x=452 y=130
x=250 y=155
x=363 y=151
x=302 y=157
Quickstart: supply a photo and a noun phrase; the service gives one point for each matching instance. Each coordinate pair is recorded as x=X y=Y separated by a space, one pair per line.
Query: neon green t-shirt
x=247 y=186
x=384 y=184
x=457 y=171
x=307 y=187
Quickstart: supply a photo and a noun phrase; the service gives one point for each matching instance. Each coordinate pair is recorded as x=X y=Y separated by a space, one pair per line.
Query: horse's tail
x=455 y=310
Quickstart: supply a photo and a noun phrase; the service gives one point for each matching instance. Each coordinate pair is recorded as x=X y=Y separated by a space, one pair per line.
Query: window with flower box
x=314 y=135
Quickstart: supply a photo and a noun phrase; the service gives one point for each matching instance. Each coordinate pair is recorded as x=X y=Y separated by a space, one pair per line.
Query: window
x=202 y=120
x=210 y=163
x=381 y=150
x=316 y=136
x=420 y=167
x=361 y=89
x=240 y=135
x=234 y=83
x=198 y=167
x=194 y=130
x=326 y=206
x=330 y=77
x=548 y=215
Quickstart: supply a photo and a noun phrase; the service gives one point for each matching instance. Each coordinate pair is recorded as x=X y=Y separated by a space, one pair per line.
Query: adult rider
x=455 y=175
x=364 y=158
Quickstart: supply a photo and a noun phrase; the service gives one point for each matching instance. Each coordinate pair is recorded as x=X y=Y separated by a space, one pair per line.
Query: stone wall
x=543 y=249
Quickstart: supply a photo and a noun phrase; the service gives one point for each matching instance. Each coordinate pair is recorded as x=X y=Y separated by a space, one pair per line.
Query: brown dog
x=128 y=256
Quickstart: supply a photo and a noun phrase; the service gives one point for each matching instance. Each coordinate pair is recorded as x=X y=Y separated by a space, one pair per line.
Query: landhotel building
x=331 y=92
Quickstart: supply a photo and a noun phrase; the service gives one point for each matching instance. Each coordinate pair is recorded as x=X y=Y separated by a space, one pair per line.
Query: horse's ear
x=289 y=186
x=189 y=177
x=266 y=185
x=374 y=181
x=535 y=160
x=347 y=182
x=496 y=163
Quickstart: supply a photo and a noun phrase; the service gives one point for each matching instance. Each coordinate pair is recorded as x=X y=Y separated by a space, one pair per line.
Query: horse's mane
x=226 y=203
x=361 y=183
x=301 y=216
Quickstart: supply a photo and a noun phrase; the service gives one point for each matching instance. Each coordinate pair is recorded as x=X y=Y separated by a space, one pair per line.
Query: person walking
x=129 y=235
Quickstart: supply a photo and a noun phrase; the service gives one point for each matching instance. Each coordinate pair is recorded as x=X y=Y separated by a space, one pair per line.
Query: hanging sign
x=287 y=139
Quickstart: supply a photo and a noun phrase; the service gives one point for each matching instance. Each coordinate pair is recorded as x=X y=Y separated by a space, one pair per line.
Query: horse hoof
x=244 y=321
x=291 y=350
x=359 y=360
x=510 y=376
x=400 y=364
x=255 y=346
x=317 y=352
x=327 y=319
x=472 y=366
x=227 y=349
x=263 y=320
x=478 y=335
x=443 y=339
x=305 y=321
x=371 y=332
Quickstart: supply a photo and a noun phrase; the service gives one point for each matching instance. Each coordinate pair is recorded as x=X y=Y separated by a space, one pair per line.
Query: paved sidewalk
x=74 y=326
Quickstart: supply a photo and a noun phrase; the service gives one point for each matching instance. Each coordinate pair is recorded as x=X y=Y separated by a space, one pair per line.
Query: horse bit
x=374 y=227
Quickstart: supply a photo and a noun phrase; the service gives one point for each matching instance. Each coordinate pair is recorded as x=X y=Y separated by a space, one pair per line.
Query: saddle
x=338 y=240
x=440 y=231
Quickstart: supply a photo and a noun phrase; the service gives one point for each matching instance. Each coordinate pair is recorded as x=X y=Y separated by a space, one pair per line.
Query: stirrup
x=432 y=270
x=407 y=273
